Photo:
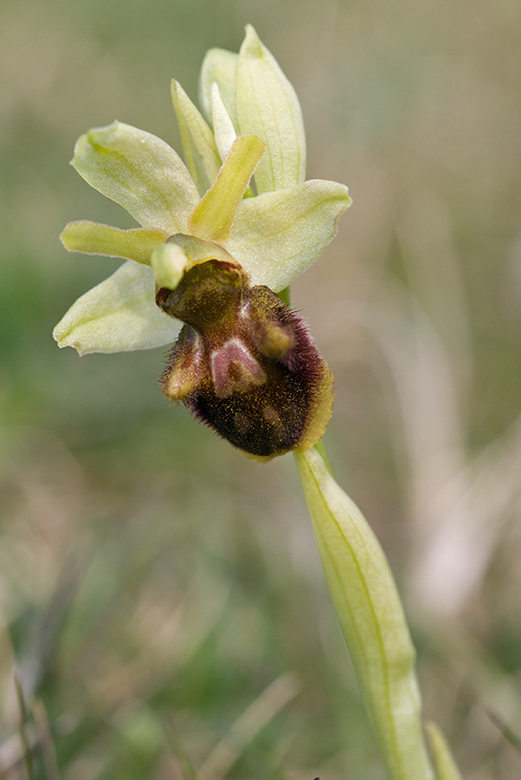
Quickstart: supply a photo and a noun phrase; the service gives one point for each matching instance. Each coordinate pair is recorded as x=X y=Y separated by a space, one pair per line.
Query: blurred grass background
x=160 y=595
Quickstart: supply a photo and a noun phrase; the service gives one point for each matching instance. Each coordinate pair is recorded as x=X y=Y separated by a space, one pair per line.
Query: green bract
x=252 y=124
x=371 y=618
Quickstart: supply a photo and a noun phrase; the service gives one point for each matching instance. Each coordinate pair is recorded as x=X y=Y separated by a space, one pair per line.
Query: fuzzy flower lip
x=275 y=225
x=244 y=363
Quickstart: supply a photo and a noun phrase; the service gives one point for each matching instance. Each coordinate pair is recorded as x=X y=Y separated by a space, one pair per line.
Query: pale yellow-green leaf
x=278 y=235
x=268 y=107
x=444 y=763
x=213 y=216
x=201 y=155
x=95 y=239
x=140 y=172
x=219 y=67
x=117 y=315
x=371 y=617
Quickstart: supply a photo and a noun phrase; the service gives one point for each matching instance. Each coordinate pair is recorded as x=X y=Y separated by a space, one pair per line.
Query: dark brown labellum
x=244 y=363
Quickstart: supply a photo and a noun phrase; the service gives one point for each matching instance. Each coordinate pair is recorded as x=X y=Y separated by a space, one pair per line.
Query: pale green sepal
x=268 y=107
x=219 y=67
x=201 y=155
x=213 y=216
x=169 y=264
x=371 y=617
x=117 y=315
x=223 y=128
x=93 y=238
x=140 y=172
x=446 y=768
x=278 y=235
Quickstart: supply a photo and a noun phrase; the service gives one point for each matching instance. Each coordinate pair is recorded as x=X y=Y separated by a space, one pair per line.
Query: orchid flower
x=259 y=381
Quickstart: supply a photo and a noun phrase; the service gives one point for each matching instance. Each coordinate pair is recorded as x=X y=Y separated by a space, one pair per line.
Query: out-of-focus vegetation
x=160 y=595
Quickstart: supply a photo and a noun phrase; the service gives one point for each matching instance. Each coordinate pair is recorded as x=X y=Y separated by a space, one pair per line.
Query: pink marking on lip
x=234 y=369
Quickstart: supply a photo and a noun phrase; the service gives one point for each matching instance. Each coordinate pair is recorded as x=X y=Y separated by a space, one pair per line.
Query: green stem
x=284 y=296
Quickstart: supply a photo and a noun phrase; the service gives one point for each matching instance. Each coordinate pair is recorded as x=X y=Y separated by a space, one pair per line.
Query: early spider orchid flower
x=219 y=238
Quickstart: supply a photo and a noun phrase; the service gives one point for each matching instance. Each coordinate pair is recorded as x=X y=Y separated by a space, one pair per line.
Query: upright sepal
x=267 y=106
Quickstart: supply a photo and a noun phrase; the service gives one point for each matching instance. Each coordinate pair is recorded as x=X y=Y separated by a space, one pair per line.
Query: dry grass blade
x=248 y=725
x=508 y=733
x=24 y=736
x=185 y=764
x=46 y=741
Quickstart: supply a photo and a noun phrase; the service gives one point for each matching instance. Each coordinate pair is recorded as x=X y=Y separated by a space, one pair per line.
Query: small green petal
x=140 y=172
x=268 y=107
x=219 y=67
x=223 y=128
x=213 y=216
x=278 y=235
x=117 y=315
x=371 y=617
x=201 y=155
x=95 y=239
